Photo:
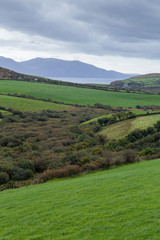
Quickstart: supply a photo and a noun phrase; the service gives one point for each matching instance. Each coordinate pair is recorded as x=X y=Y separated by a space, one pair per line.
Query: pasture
x=24 y=104
x=76 y=95
x=119 y=204
x=123 y=128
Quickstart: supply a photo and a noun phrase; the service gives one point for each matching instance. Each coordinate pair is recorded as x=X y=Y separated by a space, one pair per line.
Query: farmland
x=75 y=95
x=23 y=104
x=43 y=141
x=102 y=205
x=121 y=129
x=144 y=82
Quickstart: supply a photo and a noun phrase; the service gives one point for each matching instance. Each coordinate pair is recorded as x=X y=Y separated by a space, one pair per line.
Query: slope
x=118 y=204
x=144 y=82
x=74 y=95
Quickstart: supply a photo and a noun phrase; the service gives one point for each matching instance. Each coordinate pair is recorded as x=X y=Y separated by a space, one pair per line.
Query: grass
x=5 y=112
x=137 y=112
x=23 y=104
x=123 y=128
x=95 y=119
x=75 y=95
x=119 y=204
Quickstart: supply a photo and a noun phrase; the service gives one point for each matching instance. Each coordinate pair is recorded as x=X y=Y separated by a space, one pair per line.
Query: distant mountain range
x=54 y=68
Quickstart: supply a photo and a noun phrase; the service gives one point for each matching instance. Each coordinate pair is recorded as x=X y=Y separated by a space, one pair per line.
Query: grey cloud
x=117 y=27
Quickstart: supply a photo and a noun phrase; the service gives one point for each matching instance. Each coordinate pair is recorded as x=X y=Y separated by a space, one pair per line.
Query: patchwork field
x=123 y=128
x=120 y=204
x=23 y=104
x=75 y=95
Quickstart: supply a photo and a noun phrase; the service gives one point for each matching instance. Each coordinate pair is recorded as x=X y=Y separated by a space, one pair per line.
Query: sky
x=121 y=35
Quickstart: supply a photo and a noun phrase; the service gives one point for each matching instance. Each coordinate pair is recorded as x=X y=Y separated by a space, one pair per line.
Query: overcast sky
x=122 y=35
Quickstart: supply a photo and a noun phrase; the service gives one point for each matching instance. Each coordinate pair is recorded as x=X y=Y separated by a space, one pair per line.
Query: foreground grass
x=119 y=204
x=75 y=95
x=123 y=128
x=24 y=104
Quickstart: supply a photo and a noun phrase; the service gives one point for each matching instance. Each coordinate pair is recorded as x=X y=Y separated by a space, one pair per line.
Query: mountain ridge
x=53 y=67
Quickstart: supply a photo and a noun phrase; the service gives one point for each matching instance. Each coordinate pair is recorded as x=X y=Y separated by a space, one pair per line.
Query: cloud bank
x=123 y=28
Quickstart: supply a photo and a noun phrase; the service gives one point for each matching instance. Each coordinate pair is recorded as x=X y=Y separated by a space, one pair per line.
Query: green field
x=123 y=128
x=75 y=95
x=146 y=81
x=23 y=104
x=119 y=204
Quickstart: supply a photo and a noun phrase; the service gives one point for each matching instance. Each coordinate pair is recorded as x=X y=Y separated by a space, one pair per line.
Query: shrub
x=26 y=164
x=6 y=166
x=18 y=174
x=130 y=156
x=59 y=173
x=29 y=173
x=4 y=177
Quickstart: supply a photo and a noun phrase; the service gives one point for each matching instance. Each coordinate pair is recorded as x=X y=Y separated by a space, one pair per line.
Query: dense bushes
x=105 y=162
x=32 y=148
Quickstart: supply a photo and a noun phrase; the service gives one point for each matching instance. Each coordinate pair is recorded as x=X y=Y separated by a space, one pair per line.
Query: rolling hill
x=147 y=82
x=102 y=205
x=74 y=95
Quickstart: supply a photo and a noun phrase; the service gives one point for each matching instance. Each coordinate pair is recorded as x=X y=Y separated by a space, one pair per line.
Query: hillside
x=102 y=205
x=73 y=95
x=52 y=67
x=123 y=128
x=147 y=82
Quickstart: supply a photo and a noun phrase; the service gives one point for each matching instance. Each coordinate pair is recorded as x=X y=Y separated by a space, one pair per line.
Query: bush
x=59 y=173
x=26 y=164
x=6 y=166
x=29 y=173
x=4 y=177
x=18 y=174
x=130 y=156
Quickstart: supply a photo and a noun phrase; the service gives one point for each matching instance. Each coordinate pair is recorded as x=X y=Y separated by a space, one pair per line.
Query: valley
x=71 y=153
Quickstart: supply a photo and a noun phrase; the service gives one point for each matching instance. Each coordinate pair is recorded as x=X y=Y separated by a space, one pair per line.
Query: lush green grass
x=118 y=204
x=23 y=104
x=121 y=129
x=78 y=95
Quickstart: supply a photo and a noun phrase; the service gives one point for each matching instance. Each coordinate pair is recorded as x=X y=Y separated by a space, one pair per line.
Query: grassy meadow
x=75 y=95
x=24 y=104
x=119 y=204
x=123 y=128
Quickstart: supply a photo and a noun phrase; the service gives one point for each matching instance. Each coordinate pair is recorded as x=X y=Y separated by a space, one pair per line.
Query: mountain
x=52 y=68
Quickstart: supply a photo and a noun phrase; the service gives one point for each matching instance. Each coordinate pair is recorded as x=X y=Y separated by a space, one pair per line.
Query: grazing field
x=23 y=104
x=123 y=128
x=148 y=82
x=120 y=204
x=75 y=95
